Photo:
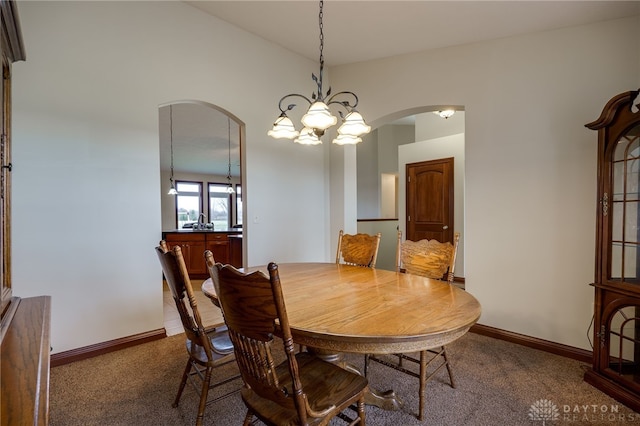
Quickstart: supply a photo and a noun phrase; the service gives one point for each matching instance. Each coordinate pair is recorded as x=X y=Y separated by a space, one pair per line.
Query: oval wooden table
x=340 y=308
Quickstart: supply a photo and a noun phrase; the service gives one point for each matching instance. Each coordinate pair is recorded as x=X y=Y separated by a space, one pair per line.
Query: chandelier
x=318 y=117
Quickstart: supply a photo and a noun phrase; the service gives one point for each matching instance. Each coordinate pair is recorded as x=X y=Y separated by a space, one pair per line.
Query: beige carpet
x=497 y=384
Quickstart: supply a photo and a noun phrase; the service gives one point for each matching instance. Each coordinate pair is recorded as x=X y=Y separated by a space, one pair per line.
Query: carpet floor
x=497 y=383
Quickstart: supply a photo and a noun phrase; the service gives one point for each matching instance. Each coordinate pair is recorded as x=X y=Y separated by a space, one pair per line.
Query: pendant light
x=172 y=189
x=229 y=185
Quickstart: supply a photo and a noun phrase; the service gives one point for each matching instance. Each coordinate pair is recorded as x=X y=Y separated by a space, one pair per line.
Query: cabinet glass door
x=624 y=346
x=624 y=265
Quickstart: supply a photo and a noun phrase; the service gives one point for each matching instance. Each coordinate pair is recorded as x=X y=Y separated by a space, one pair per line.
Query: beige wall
x=530 y=163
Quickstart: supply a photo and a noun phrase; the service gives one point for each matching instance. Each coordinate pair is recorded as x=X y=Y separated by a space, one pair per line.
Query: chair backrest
x=254 y=311
x=358 y=249
x=177 y=277
x=429 y=258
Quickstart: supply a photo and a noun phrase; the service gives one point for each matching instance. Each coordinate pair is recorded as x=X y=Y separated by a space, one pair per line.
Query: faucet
x=201 y=220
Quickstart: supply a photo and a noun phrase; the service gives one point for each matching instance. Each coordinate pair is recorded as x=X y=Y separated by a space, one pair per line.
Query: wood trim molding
x=535 y=343
x=78 y=354
x=86 y=352
x=90 y=351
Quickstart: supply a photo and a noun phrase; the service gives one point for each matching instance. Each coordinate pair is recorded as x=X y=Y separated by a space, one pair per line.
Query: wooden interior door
x=430 y=200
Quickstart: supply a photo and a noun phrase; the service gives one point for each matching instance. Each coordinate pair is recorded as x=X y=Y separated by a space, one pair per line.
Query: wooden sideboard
x=24 y=361
x=226 y=247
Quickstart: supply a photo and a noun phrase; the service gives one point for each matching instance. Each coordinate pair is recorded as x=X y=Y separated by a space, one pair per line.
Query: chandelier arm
x=291 y=106
x=332 y=99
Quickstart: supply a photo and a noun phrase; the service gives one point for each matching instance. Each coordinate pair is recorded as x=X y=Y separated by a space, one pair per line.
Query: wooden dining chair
x=431 y=259
x=302 y=389
x=207 y=348
x=359 y=249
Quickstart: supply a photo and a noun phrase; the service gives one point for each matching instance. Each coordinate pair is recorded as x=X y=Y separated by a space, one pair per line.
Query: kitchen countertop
x=204 y=231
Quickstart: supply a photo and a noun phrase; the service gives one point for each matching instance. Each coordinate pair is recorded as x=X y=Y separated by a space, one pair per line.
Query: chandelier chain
x=171 y=136
x=321 y=25
x=229 y=138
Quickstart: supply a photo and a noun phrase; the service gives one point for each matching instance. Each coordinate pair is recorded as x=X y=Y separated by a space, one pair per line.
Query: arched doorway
x=401 y=138
x=201 y=157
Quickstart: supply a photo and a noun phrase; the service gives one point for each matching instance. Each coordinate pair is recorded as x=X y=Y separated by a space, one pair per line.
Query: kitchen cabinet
x=193 y=247
x=235 y=250
x=218 y=244
x=194 y=243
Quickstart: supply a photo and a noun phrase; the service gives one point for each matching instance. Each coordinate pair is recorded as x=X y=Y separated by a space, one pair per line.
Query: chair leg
x=446 y=359
x=248 y=418
x=361 y=413
x=203 y=395
x=185 y=375
x=423 y=384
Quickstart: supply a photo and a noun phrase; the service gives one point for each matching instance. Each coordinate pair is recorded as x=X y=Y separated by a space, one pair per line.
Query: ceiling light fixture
x=446 y=113
x=229 y=185
x=318 y=117
x=172 y=189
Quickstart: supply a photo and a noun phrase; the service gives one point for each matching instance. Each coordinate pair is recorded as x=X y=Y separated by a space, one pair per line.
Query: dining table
x=335 y=309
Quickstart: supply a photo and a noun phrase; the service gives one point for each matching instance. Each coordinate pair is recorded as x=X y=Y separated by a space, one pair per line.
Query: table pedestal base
x=386 y=400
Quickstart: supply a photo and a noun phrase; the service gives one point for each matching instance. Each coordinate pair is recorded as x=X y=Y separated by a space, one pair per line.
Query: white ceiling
x=205 y=140
x=360 y=30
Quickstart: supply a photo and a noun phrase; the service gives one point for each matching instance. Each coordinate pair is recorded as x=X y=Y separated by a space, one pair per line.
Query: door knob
x=445 y=227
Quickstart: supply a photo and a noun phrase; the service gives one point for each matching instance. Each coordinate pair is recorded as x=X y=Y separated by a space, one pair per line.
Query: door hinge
x=3 y=139
x=408 y=218
x=605 y=204
x=602 y=335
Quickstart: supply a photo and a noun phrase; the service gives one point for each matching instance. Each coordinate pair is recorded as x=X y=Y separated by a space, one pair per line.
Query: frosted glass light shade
x=347 y=140
x=319 y=117
x=307 y=137
x=354 y=125
x=445 y=113
x=283 y=129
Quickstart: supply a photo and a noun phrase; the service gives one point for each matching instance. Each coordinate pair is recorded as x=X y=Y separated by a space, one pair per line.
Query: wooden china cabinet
x=616 y=346
x=24 y=322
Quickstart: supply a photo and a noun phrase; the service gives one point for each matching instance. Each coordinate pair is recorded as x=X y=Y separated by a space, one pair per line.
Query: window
x=190 y=205
x=188 y=202
x=219 y=206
